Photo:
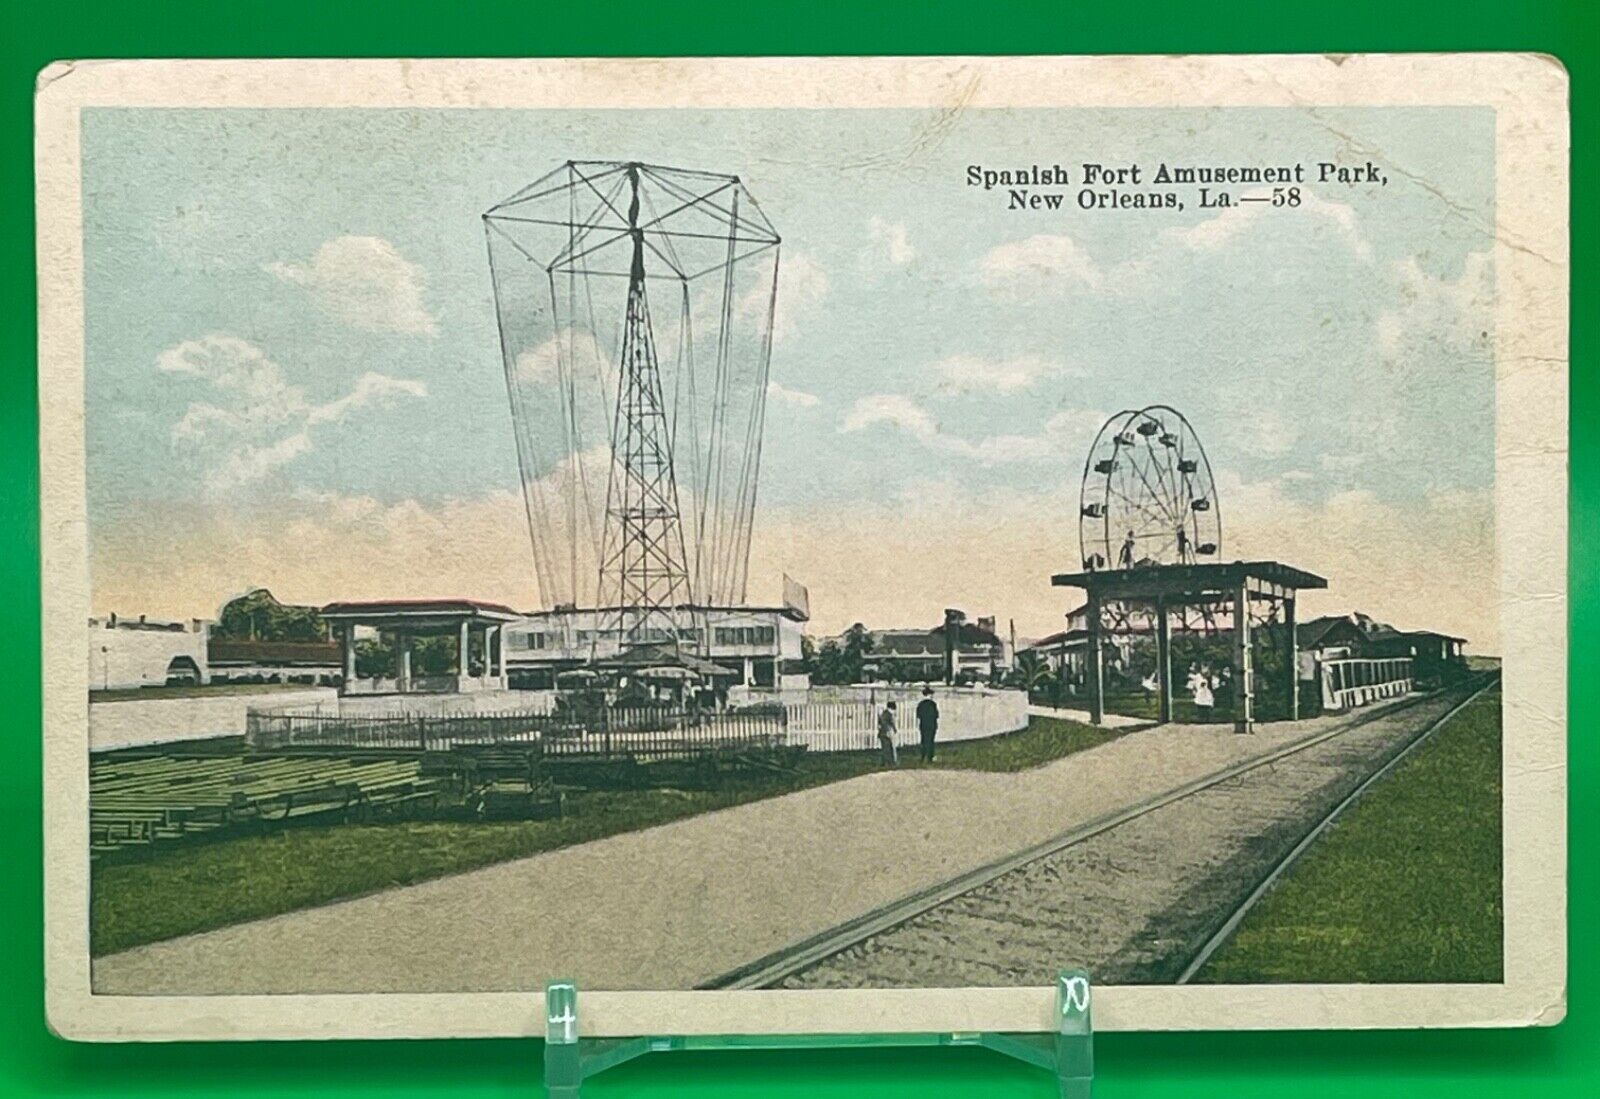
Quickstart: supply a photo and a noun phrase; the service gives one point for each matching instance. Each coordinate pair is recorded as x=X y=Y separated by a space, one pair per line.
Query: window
x=534 y=641
x=746 y=635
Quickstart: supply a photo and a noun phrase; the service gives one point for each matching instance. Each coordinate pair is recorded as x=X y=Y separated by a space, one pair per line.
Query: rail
x=767 y=971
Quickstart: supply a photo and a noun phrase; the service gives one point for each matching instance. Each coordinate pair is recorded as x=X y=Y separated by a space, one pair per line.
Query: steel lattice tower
x=639 y=437
x=644 y=570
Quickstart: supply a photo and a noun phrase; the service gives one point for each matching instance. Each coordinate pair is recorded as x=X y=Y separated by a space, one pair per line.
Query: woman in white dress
x=1204 y=699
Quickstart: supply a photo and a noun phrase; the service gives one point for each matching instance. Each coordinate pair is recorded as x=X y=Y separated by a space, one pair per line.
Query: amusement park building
x=1434 y=655
x=142 y=652
x=979 y=653
x=1331 y=637
x=759 y=646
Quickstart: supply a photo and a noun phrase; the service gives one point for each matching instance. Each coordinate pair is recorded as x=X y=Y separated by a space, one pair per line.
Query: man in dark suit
x=927 y=723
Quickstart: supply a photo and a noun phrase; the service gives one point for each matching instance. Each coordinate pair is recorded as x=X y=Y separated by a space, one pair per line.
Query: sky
x=294 y=376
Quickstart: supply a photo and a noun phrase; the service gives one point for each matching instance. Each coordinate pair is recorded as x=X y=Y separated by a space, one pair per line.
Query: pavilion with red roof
x=403 y=620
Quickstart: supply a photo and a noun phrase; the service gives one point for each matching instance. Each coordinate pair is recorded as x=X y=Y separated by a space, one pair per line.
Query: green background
x=1561 y=1061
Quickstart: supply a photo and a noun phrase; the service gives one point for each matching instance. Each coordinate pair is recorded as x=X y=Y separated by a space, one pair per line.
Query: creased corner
x=54 y=71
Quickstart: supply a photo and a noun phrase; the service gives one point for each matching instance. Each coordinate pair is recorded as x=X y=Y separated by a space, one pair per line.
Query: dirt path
x=1135 y=903
x=672 y=906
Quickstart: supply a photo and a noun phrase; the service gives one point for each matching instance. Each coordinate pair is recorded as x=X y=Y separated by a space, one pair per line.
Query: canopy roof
x=418 y=613
x=646 y=657
x=1189 y=581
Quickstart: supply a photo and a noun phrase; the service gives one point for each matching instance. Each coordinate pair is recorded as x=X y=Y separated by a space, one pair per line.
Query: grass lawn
x=1144 y=704
x=185 y=889
x=135 y=694
x=1404 y=887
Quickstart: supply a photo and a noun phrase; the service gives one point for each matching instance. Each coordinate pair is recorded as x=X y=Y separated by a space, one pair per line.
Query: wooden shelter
x=1166 y=588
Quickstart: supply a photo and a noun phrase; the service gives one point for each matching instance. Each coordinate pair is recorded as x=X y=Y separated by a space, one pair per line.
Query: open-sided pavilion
x=1166 y=588
x=406 y=619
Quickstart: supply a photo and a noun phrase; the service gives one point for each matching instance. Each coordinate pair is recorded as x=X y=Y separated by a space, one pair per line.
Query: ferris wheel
x=1148 y=497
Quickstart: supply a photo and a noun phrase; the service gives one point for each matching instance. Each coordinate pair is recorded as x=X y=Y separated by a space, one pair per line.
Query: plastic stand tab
x=1069 y=1052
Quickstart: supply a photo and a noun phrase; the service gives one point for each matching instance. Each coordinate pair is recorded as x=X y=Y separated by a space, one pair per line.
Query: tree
x=1033 y=674
x=829 y=665
x=258 y=616
x=857 y=647
x=374 y=659
x=1029 y=670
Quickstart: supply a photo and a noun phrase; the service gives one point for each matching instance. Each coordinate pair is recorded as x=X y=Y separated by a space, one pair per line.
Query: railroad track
x=816 y=951
x=1231 y=923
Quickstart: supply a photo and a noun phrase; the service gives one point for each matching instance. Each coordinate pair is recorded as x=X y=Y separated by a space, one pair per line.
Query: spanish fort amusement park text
x=1096 y=186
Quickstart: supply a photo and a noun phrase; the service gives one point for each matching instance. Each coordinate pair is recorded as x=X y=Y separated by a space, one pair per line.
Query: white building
x=142 y=652
x=760 y=646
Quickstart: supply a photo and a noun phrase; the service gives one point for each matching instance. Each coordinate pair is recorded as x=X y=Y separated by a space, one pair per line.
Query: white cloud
x=1266 y=433
x=802 y=285
x=1423 y=563
x=890 y=408
x=1342 y=463
x=1041 y=261
x=577 y=350
x=1061 y=433
x=890 y=240
x=1452 y=313
x=1427 y=564
x=365 y=282
x=371 y=388
x=1044 y=255
x=1223 y=228
x=191 y=556
x=795 y=398
x=253 y=419
x=974 y=373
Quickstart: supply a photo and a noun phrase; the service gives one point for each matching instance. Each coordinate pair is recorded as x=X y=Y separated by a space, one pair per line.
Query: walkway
x=672 y=906
x=1112 y=721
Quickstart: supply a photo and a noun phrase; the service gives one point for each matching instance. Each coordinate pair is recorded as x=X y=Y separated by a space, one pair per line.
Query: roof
x=1308 y=635
x=1150 y=580
x=915 y=642
x=795 y=614
x=1363 y=626
x=1432 y=633
x=419 y=608
x=1057 y=638
x=905 y=643
x=654 y=656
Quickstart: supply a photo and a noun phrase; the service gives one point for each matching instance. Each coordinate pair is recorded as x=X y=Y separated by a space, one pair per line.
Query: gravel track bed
x=1133 y=904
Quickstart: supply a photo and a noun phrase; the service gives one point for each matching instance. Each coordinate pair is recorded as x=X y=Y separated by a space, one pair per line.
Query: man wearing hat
x=927 y=723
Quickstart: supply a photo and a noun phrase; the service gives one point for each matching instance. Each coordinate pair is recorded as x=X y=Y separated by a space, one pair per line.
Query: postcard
x=801 y=546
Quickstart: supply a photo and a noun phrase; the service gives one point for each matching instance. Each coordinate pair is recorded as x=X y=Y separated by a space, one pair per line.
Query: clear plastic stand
x=1069 y=1052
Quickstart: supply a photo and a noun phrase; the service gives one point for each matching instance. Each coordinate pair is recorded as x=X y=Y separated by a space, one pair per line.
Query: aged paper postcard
x=803 y=545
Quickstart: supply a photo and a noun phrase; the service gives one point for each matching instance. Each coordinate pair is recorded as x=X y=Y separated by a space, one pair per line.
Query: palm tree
x=1033 y=673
